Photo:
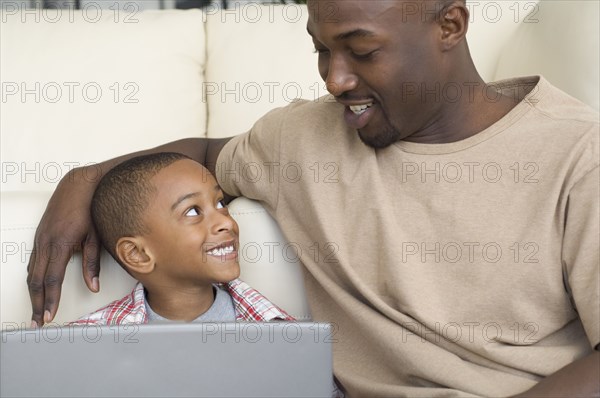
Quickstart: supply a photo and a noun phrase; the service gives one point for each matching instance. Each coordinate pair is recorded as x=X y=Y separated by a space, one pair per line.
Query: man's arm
x=66 y=224
x=578 y=379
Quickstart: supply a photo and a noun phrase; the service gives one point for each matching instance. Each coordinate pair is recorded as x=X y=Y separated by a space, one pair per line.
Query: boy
x=162 y=217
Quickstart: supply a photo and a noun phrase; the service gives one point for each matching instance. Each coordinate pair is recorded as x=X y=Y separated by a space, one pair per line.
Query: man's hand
x=66 y=227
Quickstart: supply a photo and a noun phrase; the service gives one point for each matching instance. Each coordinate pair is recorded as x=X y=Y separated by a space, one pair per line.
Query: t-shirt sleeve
x=248 y=165
x=581 y=252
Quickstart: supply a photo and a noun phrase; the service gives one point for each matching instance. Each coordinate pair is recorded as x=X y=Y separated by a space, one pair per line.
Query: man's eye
x=366 y=55
x=320 y=51
x=221 y=204
x=194 y=211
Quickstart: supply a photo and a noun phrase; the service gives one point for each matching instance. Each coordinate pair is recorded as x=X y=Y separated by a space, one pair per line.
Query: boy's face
x=192 y=237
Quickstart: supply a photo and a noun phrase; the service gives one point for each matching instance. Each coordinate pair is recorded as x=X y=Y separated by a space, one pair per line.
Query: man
x=457 y=234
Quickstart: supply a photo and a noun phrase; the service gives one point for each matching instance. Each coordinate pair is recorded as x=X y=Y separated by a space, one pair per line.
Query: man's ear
x=135 y=255
x=454 y=22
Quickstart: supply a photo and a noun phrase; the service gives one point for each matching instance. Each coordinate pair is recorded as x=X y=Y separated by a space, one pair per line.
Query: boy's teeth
x=221 y=251
x=358 y=109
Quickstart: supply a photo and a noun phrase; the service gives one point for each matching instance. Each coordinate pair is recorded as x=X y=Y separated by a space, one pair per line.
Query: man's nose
x=339 y=76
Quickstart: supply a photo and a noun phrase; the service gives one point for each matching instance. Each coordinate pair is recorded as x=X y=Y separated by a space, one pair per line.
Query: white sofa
x=78 y=88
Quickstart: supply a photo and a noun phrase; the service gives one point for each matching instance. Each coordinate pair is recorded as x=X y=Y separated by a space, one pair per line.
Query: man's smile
x=358 y=116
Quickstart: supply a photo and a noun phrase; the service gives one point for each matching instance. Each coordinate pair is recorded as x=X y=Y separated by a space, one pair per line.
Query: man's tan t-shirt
x=447 y=269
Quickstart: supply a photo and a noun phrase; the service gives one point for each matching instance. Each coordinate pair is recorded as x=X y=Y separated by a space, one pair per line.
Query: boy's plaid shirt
x=250 y=306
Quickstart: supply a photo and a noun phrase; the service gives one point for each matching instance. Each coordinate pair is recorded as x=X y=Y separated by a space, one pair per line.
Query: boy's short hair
x=123 y=195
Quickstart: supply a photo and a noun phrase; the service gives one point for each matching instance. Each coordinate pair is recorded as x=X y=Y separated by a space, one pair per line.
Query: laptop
x=283 y=359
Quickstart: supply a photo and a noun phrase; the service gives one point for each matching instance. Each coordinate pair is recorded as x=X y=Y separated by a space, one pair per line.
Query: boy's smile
x=225 y=251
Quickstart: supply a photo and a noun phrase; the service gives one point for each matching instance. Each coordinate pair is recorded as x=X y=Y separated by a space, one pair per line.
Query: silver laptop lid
x=169 y=360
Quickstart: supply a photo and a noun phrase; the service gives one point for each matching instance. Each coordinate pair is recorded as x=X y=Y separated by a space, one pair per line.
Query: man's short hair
x=123 y=195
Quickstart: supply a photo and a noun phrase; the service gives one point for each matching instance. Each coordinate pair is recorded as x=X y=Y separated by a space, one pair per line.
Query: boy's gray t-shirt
x=222 y=310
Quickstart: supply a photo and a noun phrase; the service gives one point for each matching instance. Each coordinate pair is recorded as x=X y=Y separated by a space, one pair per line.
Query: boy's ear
x=135 y=255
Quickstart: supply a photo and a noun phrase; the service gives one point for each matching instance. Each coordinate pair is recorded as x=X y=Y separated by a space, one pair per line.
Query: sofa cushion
x=267 y=261
x=259 y=57
x=80 y=87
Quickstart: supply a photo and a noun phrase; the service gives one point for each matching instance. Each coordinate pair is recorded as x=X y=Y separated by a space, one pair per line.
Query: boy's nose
x=222 y=223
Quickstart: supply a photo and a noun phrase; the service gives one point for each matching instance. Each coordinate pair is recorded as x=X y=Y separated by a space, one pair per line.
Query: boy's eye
x=194 y=211
x=221 y=204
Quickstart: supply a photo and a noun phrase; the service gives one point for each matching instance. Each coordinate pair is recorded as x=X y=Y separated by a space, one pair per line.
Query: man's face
x=192 y=236
x=372 y=55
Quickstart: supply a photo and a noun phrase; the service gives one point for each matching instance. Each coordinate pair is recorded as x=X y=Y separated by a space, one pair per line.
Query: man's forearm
x=578 y=379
